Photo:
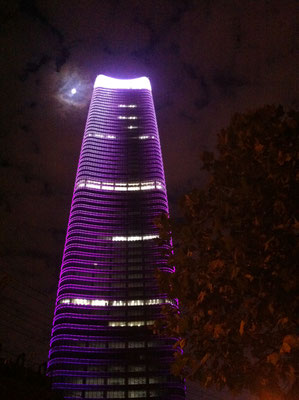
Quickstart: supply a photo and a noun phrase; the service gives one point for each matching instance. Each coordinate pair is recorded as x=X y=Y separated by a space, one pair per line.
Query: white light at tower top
x=74 y=91
x=113 y=83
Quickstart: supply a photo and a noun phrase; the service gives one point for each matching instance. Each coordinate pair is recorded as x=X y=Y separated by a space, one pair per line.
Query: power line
x=27 y=320
x=23 y=310
x=31 y=287
x=29 y=295
x=26 y=334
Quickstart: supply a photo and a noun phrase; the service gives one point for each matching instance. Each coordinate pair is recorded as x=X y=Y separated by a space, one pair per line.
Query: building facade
x=102 y=346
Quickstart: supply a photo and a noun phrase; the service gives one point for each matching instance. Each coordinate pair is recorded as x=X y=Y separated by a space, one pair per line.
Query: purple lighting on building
x=113 y=83
x=102 y=346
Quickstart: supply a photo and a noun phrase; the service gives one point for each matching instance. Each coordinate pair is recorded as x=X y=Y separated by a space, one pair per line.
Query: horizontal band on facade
x=118 y=137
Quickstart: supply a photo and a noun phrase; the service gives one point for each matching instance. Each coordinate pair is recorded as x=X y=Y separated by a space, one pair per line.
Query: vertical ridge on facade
x=102 y=346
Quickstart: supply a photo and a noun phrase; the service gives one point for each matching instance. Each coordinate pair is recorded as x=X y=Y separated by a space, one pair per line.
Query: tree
x=235 y=255
x=18 y=382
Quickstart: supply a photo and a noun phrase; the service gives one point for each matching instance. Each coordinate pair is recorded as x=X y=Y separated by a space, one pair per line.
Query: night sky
x=206 y=60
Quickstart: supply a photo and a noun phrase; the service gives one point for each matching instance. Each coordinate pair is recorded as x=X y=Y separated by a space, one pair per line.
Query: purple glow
x=107 y=295
x=104 y=81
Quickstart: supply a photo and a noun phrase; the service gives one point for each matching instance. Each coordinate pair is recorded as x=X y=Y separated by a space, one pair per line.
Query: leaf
x=258 y=147
x=201 y=296
x=289 y=342
x=282 y=321
x=285 y=348
x=241 y=330
x=204 y=359
x=267 y=259
x=235 y=272
x=250 y=277
x=273 y=358
x=271 y=308
x=216 y=264
x=295 y=225
x=291 y=374
x=218 y=331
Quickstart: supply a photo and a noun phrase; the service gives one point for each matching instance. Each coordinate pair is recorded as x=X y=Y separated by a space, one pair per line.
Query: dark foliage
x=235 y=255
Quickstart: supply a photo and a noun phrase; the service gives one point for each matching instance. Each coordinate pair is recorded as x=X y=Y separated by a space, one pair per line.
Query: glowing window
x=80 y=302
x=117 y=323
x=118 y=303
x=127 y=117
x=133 y=238
x=136 y=345
x=94 y=381
x=115 y=394
x=135 y=302
x=101 y=135
x=127 y=105
x=92 y=394
x=117 y=345
x=129 y=323
x=133 y=394
x=157 y=379
x=99 y=303
x=136 y=323
x=116 y=381
x=139 y=380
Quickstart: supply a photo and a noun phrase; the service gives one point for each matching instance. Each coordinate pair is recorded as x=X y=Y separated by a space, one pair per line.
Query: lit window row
x=115 y=303
x=143 y=137
x=115 y=394
x=111 y=345
x=80 y=380
x=129 y=323
x=127 y=105
x=133 y=238
x=101 y=136
x=127 y=117
x=137 y=186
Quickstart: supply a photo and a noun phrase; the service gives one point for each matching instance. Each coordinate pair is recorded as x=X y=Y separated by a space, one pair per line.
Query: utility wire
x=29 y=320
x=26 y=334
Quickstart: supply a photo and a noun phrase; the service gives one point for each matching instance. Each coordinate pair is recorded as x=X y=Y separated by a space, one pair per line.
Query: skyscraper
x=102 y=346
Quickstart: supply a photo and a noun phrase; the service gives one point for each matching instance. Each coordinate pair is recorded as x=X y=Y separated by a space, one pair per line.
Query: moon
x=73 y=90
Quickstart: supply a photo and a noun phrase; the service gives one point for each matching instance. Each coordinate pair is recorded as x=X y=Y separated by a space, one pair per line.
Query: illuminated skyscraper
x=102 y=346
